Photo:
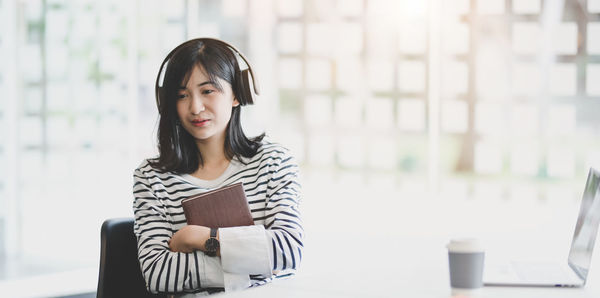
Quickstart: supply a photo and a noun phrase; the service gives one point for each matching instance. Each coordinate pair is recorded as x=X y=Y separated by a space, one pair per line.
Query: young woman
x=202 y=147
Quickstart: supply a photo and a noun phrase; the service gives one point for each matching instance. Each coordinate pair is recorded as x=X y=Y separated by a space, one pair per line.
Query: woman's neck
x=213 y=151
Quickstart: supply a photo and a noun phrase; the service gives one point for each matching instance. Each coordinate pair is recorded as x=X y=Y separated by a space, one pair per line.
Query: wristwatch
x=211 y=246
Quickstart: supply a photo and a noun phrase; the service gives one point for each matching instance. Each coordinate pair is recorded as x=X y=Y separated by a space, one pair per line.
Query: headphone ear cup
x=246 y=87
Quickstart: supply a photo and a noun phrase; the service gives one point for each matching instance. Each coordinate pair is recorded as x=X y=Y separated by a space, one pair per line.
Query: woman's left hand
x=189 y=239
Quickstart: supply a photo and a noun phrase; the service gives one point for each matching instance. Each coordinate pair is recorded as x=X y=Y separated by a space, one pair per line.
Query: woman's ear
x=235 y=102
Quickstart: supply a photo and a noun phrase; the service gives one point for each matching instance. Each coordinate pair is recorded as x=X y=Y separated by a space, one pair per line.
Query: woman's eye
x=180 y=96
x=207 y=91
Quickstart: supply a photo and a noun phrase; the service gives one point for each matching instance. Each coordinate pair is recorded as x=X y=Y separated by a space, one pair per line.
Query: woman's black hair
x=177 y=148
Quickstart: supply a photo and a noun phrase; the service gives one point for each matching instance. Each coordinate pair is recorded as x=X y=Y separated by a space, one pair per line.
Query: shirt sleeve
x=283 y=222
x=163 y=269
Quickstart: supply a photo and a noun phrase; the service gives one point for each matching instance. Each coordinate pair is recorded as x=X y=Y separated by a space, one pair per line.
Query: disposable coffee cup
x=465 y=258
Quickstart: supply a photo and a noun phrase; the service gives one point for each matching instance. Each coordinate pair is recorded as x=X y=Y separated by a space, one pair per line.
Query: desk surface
x=414 y=268
x=405 y=254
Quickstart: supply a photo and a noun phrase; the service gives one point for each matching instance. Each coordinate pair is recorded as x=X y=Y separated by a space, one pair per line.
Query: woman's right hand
x=189 y=239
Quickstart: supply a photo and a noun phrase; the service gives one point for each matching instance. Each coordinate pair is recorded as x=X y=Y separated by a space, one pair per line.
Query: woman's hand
x=189 y=239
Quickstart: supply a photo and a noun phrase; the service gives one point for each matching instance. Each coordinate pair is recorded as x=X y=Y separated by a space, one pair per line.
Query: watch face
x=212 y=246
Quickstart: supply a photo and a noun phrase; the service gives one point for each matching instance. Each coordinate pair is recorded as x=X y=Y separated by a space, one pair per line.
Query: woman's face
x=203 y=109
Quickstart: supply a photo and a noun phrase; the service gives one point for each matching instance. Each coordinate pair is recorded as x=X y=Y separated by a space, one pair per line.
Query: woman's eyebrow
x=206 y=83
x=199 y=85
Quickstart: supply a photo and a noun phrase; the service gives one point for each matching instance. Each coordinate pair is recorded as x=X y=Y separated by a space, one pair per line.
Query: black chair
x=120 y=274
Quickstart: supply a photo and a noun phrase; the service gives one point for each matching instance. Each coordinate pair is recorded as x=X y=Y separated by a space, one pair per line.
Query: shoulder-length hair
x=177 y=148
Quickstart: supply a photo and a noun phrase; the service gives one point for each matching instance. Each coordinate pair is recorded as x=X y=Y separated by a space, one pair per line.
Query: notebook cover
x=220 y=208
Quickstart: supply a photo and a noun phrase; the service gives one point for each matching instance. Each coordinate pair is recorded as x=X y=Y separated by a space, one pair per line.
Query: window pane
x=455 y=78
x=290 y=8
x=318 y=74
x=490 y=6
x=592 y=79
x=526 y=38
x=488 y=157
x=564 y=38
x=348 y=112
x=290 y=73
x=525 y=158
x=411 y=114
x=524 y=119
x=351 y=152
x=563 y=79
x=412 y=37
x=561 y=161
x=411 y=76
x=562 y=119
x=289 y=37
x=593 y=38
x=527 y=6
x=455 y=39
x=489 y=118
x=454 y=116
x=593 y=6
x=380 y=75
x=317 y=110
x=526 y=79
x=379 y=113
x=382 y=153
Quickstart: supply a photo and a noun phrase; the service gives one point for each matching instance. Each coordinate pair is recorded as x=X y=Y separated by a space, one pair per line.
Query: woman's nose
x=196 y=105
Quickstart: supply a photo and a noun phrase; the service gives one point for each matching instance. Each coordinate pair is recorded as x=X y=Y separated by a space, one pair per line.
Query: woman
x=202 y=147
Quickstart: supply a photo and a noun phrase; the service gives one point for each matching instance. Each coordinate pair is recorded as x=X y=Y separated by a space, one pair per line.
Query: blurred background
x=488 y=103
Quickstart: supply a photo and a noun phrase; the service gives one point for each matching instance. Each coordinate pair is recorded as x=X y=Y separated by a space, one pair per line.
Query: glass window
x=560 y=161
x=526 y=37
x=490 y=6
x=563 y=79
x=290 y=8
x=488 y=157
x=593 y=38
x=593 y=77
x=318 y=74
x=526 y=79
x=455 y=39
x=455 y=78
x=527 y=6
x=411 y=76
x=382 y=153
x=289 y=37
x=525 y=158
x=379 y=114
x=317 y=110
x=351 y=151
x=454 y=116
x=349 y=112
x=290 y=73
x=565 y=38
x=411 y=115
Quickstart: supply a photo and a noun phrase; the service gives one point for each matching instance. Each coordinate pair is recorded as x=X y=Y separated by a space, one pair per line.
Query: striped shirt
x=253 y=255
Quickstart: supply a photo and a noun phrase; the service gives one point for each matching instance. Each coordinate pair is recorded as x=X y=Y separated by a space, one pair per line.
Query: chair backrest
x=120 y=274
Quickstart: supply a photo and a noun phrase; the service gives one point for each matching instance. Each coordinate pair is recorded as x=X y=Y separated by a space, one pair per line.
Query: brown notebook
x=220 y=208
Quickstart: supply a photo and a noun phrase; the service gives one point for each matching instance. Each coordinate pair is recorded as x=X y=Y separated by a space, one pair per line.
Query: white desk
x=399 y=250
x=420 y=271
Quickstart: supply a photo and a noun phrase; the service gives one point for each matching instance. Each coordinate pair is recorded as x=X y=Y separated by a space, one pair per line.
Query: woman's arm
x=276 y=246
x=282 y=218
x=165 y=270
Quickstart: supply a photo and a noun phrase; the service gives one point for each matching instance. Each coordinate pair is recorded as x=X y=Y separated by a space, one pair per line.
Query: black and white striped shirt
x=250 y=256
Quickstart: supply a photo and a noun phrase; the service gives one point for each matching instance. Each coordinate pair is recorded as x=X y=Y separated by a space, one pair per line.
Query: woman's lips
x=200 y=123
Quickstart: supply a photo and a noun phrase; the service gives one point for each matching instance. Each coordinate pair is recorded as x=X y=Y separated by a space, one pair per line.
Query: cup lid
x=465 y=245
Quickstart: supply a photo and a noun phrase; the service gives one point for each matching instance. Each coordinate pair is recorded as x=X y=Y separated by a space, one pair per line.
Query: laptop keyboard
x=539 y=271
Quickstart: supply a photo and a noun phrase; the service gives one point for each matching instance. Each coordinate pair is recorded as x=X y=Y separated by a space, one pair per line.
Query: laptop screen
x=586 y=228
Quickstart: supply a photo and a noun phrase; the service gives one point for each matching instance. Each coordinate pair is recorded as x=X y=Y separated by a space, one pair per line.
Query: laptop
x=572 y=274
